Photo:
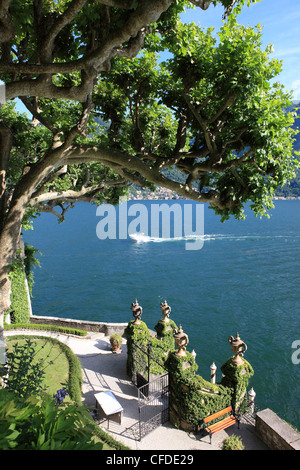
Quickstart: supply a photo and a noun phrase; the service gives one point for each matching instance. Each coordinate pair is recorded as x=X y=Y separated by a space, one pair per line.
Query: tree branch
x=44 y=88
x=134 y=45
x=204 y=4
x=125 y=4
x=36 y=114
x=147 y=12
x=60 y=22
x=84 y=194
x=203 y=125
x=49 y=208
x=229 y=100
x=7 y=28
x=113 y=157
x=93 y=61
x=81 y=126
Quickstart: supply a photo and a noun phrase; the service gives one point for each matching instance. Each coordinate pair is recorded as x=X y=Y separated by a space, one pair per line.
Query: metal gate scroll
x=153 y=391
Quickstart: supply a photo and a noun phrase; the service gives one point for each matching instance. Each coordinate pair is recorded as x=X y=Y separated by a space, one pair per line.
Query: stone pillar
x=180 y=370
x=166 y=327
x=251 y=395
x=237 y=372
x=213 y=369
x=237 y=378
x=135 y=332
x=192 y=398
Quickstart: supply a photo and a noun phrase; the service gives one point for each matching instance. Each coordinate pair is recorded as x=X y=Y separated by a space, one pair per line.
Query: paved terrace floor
x=103 y=371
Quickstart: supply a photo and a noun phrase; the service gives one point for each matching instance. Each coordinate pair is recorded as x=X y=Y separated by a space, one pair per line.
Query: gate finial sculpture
x=238 y=347
x=137 y=312
x=165 y=310
x=181 y=340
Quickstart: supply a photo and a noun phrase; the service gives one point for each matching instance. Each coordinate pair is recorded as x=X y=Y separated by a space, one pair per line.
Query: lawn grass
x=55 y=363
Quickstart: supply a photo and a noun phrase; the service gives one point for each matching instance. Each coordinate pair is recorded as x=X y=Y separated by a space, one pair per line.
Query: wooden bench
x=222 y=424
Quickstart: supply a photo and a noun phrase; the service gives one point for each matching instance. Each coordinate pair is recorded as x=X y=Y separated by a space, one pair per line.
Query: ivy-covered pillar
x=183 y=413
x=191 y=398
x=165 y=328
x=136 y=332
x=237 y=372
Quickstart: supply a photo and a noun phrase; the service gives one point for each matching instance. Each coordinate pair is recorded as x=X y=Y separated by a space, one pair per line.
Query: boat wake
x=140 y=237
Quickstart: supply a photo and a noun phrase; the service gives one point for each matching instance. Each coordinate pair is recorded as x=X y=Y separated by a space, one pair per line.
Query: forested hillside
x=292 y=189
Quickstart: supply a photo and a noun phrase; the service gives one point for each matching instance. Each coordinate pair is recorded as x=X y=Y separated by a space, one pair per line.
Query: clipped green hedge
x=38 y=326
x=20 y=308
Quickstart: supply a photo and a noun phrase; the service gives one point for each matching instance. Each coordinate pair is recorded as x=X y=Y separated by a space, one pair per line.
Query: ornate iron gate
x=140 y=372
x=153 y=390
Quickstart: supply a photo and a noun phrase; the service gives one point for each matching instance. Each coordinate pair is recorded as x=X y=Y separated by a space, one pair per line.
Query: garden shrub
x=21 y=375
x=37 y=423
x=233 y=442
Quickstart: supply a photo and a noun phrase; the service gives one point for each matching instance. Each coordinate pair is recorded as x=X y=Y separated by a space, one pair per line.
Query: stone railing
x=276 y=433
x=92 y=326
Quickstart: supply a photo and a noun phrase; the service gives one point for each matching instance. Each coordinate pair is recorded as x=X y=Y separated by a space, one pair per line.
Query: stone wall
x=276 y=433
x=93 y=326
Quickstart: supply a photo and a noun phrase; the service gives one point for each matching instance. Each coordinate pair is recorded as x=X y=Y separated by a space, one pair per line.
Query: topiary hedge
x=39 y=326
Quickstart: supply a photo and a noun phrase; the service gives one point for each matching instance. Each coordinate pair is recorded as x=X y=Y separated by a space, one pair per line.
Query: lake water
x=244 y=279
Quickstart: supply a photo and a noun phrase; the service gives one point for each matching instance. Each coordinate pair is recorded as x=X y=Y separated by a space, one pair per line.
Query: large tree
x=103 y=118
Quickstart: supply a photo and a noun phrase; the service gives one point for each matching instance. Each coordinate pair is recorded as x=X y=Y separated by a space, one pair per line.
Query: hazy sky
x=280 y=20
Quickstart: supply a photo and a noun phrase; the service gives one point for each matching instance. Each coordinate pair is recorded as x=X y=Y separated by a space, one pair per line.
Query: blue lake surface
x=244 y=279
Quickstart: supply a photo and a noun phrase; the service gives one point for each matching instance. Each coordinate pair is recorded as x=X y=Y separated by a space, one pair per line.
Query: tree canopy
x=121 y=91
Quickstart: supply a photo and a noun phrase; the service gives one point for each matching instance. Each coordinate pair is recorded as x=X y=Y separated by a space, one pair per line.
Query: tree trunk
x=5 y=146
x=9 y=243
x=10 y=229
